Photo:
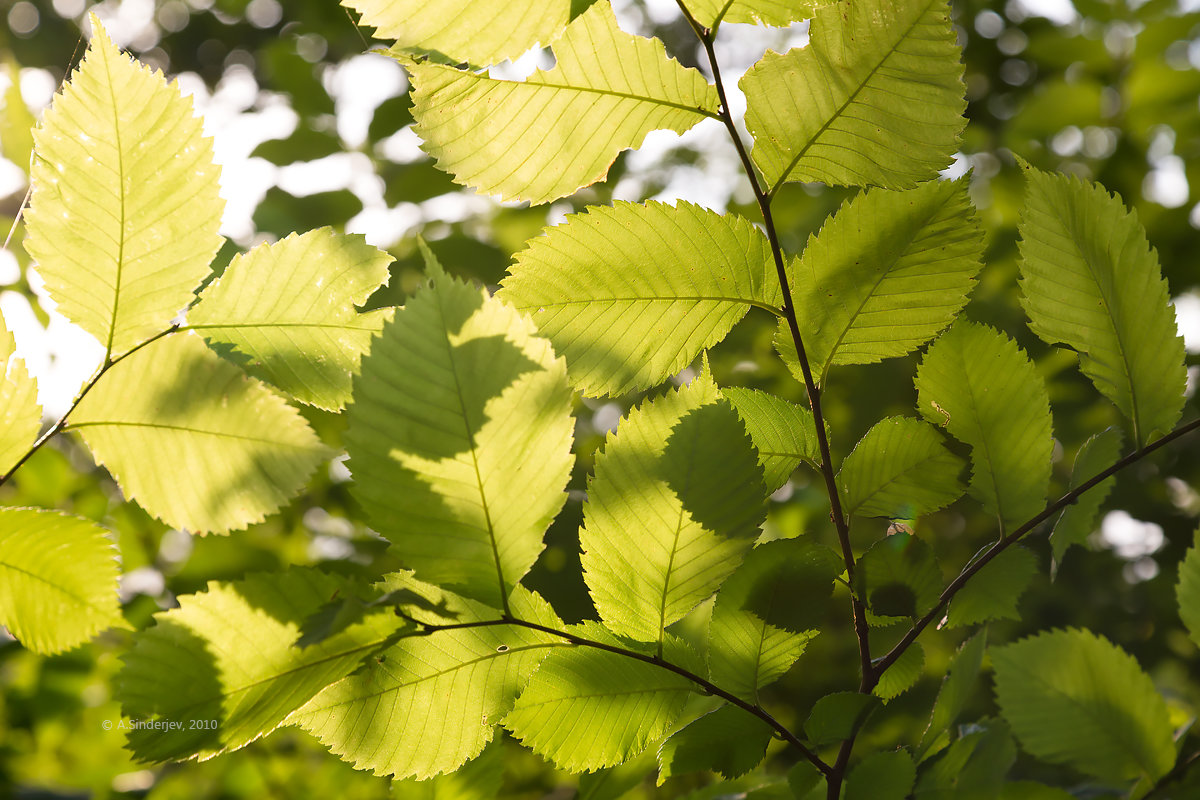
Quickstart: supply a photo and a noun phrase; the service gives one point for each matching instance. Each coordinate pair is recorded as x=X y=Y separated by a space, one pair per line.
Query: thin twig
x=708 y=686
x=1003 y=542
x=58 y=427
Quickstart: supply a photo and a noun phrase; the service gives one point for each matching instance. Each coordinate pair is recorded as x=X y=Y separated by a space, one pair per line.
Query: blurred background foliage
x=319 y=135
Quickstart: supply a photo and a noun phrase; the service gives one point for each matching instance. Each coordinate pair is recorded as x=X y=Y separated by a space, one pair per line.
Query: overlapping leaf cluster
x=459 y=417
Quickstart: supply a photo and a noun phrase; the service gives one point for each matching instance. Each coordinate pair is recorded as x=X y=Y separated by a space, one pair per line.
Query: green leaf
x=631 y=294
x=887 y=775
x=897 y=578
x=460 y=438
x=885 y=274
x=615 y=782
x=977 y=384
x=124 y=215
x=478 y=779
x=876 y=98
x=58 y=579
x=1028 y=790
x=727 y=741
x=199 y=444
x=1078 y=520
x=227 y=659
x=561 y=129
x=994 y=591
x=901 y=469
x=1092 y=282
x=428 y=704
x=783 y=433
x=287 y=311
x=902 y=675
x=586 y=708
x=20 y=414
x=779 y=13
x=767 y=612
x=835 y=717
x=1073 y=698
x=973 y=767
x=956 y=689
x=466 y=30
x=676 y=501
x=1187 y=591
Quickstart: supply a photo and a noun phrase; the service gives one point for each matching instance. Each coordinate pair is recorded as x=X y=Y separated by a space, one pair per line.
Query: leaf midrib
x=535 y=84
x=841 y=109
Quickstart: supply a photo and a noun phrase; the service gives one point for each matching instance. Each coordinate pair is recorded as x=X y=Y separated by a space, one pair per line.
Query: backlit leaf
x=676 y=500
x=225 y=665
x=767 y=612
x=466 y=30
x=711 y=13
x=902 y=675
x=460 y=438
x=287 y=311
x=631 y=294
x=886 y=274
x=956 y=688
x=1187 y=591
x=20 y=414
x=586 y=708
x=994 y=591
x=1078 y=520
x=977 y=384
x=1073 y=698
x=973 y=767
x=1092 y=282
x=124 y=216
x=835 y=717
x=560 y=129
x=901 y=469
x=728 y=741
x=897 y=578
x=428 y=704
x=199 y=444
x=875 y=99
x=783 y=433
x=58 y=579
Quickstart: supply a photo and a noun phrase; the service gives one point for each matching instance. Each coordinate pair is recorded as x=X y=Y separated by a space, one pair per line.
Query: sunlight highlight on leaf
x=199 y=445
x=876 y=99
x=631 y=294
x=58 y=579
x=559 y=130
x=460 y=438
x=124 y=216
x=287 y=310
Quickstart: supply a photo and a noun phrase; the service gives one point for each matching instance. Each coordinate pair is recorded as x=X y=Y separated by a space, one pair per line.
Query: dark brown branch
x=1011 y=538
x=658 y=661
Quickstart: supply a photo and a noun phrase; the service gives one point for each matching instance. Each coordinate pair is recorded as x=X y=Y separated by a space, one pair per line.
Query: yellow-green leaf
x=1091 y=281
x=977 y=384
x=676 y=501
x=875 y=99
x=560 y=129
x=631 y=294
x=288 y=311
x=58 y=579
x=124 y=216
x=20 y=414
x=195 y=441
x=477 y=31
x=460 y=438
